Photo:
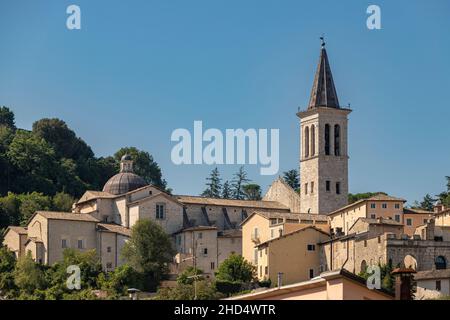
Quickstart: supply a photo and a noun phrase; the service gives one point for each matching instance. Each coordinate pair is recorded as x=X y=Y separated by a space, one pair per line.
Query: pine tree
x=291 y=177
x=252 y=191
x=427 y=203
x=213 y=184
x=226 y=190
x=240 y=178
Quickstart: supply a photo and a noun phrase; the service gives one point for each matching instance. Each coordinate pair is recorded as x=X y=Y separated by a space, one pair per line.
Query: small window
x=311 y=247
x=63 y=243
x=373 y=216
x=373 y=205
x=266 y=270
x=365 y=243
x=306 y=188
x=327 y=185
x=271 y=233
x=397 y=217
x=108 y=249
x=311 y=273
x=384 y=205
x=213 y=265
x=312 y=187
x=397 y=206
x=200 y=235
x=150 y=192
x=438 y=285
x=409 y=222
x=109 y=265
x=260 y=271
x=80 y=244
x=160 y=211
x=205 y=251
x=379 y=239
x=338 y=188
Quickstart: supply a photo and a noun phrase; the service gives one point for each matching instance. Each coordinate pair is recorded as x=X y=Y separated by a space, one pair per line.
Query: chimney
x=403 y=283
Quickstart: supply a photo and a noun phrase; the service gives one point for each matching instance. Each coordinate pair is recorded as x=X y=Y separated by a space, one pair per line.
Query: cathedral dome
x=125 y=181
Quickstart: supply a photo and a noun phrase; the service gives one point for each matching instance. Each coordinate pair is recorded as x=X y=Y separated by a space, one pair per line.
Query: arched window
x=337 y=140
x=327 y=139
x=313 y=140
x=363 y=266
x=306 y=142
x=440 y=263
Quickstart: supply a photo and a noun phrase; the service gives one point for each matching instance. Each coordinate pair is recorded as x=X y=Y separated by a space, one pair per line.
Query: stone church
x=205 y=231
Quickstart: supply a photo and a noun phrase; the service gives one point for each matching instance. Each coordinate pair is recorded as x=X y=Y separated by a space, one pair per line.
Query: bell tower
x=323 y=146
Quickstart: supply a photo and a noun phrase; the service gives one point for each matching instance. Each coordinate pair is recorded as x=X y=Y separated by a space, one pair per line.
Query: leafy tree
x=205 y=291
x=63 y=202
x=239 y=180
x=28 y=277
x=144 y=166
x=122 y=278
x=7 y=265
x=226 y=190
x=360 y=196
x=30 y=203
x=62 y=139
x=292 y=178
x=213 y=185
x=7 y=117
x=186 y=277
x=236 y=268
x=149 y=250
x=252 y=191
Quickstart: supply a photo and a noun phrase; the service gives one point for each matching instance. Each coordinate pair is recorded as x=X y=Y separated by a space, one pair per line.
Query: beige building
x=432 y=284
x=295 y=255
x=332 y=285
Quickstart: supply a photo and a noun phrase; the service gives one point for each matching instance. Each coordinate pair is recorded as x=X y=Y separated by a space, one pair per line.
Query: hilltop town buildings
x=310 y=243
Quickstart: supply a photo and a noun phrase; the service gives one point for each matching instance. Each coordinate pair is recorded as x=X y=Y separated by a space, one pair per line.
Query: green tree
x=7 y=117
x=32 y=202
x=213 y=184
x=144 y=166
x=427 y=203
x=122 y=278
x=63 y=202
x=239 y=180
x=205 y=291
x=226 y=190
x=252 y=191
x=148 y=251
x=187 y=276
x=236 y=268
x=292 y=178
x=28 y=276
x=7 y=266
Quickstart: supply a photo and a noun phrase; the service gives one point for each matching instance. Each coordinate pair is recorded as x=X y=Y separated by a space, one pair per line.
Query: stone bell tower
x=323 y=152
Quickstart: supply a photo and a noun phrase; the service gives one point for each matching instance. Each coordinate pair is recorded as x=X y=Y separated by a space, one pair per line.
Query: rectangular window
x=384 y=205
x=80 y=244
x=213 y=265
x=438 y=285
x=266 y=270
x=260 y=271
x=255 y=257
x=63 y=243
x=327 y=185
x=312 y=187
x=373 y=205
x=397 y=217
x=205 y=251
x=271 y=233
x=365 y=243
x=373 y=216
x=108 y=249
x=397 y=206
x=160 y=211
x=200 y=235
x=311 y=247
x=409 y=222
x=338 y=188
x=311 y=273
x=306 y=188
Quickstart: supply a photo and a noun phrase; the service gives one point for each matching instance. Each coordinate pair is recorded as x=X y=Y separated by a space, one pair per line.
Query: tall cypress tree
x=213 y=184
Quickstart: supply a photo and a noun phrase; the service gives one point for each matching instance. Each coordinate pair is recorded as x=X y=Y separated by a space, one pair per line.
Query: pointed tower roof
x=323 y=93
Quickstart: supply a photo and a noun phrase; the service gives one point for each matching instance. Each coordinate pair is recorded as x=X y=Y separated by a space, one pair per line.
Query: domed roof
x=124 y=182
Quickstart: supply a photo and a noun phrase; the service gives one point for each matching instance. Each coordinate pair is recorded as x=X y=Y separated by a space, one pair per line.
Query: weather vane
x=322 y=38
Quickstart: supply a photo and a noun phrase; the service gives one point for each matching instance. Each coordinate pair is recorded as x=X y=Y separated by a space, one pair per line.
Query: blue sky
x=137 y=70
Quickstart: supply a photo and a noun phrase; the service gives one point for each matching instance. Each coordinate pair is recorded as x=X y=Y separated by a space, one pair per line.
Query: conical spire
x=323 y=93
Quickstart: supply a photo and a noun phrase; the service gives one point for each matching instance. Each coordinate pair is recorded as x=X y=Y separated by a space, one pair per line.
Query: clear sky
x=137 y=70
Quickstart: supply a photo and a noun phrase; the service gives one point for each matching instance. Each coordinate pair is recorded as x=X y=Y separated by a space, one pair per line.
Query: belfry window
x=327 y=139
x=337 y=140
x=306 y=142
x=313 y=140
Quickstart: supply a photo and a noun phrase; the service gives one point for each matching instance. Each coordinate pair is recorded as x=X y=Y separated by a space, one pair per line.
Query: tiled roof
x=416 y=211
x=291 y=234
x=111 y=227
x=378 y=197
x=230 y=202
x=231 y=233
x=67 y=216
x=19 y=230
x=288 y=215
